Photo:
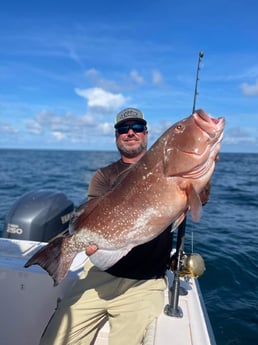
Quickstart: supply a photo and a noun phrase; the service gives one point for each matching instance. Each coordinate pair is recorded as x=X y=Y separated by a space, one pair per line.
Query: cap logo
x=129 y=113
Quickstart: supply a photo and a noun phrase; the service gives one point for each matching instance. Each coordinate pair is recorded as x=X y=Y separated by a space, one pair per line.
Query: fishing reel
x=190 y=265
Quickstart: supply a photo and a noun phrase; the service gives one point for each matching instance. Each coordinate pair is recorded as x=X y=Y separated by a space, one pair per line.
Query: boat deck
x=28 y=299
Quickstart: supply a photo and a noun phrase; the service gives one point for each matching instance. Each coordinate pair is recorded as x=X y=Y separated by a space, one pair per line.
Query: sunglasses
x=137 y=128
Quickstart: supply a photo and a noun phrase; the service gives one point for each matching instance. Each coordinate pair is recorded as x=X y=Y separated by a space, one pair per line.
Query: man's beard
x=131 y=152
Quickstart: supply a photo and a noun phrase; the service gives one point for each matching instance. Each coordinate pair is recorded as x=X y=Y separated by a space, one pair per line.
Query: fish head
x=192 y=146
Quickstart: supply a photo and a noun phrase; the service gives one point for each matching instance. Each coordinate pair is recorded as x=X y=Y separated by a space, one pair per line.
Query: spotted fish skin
x=152 y=194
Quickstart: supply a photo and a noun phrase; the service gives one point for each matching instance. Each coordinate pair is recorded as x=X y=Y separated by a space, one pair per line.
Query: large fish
x=152 y=194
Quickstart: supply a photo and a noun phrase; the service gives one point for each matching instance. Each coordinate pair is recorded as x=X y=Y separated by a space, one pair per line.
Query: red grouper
x=149 y=196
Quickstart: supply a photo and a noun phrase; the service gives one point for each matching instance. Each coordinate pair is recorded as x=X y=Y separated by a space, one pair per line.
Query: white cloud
x=7 y=128
x=34 y=127
x=238 y=135
x=95 y=77
x=58 y=135
x=70 y=128
x=99 y=98
x=88 y=120
x=106 y=128
x=136 y=77
x=250 y=90
x=59 y=126
x=157 y=78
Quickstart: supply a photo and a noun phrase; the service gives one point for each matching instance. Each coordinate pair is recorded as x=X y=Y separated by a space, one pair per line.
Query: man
x=129 y=294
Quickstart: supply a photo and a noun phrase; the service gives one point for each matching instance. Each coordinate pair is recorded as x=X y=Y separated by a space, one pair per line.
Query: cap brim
x=142 y=121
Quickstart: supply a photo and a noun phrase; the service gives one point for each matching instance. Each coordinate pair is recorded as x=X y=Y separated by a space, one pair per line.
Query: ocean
x=226 y=236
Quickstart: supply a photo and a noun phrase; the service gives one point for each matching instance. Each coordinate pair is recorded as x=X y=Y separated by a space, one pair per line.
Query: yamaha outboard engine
x=38 y=216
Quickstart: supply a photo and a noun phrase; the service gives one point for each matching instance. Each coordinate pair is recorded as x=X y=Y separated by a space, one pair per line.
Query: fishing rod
x=173 y=309
x=201 y=55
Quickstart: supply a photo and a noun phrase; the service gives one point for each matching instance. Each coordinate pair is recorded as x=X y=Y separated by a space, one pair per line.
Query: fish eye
x=179 y=128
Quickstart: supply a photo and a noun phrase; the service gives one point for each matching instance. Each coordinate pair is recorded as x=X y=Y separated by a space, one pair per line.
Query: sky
x=67 y=68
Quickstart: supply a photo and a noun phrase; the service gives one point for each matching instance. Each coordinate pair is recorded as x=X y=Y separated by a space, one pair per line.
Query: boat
x=28 y=298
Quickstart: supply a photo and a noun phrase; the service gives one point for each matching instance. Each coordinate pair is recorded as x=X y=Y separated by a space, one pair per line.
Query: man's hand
x=91 y=249
x=205 y=193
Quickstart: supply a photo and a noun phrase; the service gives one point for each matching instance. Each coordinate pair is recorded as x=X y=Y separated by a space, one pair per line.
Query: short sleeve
x=99 y=185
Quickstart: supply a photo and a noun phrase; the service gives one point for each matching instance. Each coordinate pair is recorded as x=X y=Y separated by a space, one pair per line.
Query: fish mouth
x=212 y=126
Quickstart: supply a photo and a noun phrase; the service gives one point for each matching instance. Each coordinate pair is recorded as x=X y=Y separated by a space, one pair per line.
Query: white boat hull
x=28 y=299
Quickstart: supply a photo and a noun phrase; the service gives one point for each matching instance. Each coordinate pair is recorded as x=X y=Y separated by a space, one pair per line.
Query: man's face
x=134 y=141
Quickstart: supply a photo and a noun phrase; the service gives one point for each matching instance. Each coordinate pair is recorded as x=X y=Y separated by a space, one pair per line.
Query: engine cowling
x=38 y=216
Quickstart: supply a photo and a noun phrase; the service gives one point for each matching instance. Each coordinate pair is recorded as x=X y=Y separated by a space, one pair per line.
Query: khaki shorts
x=129 y=305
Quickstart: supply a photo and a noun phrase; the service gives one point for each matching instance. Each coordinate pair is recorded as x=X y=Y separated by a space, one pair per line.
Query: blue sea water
x=226 y=236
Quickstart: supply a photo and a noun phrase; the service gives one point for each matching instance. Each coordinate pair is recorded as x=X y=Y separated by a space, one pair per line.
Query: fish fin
x=54 y=258
x=194 y=203
x=104 y=258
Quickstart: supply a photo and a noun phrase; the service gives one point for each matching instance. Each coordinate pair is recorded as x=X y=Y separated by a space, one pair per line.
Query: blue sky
x=67 y=67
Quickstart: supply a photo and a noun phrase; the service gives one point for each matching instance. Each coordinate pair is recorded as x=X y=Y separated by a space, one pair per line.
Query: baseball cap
x=129 y=114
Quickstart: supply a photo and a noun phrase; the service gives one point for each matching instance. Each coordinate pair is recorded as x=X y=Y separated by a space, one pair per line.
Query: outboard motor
x=38 y=216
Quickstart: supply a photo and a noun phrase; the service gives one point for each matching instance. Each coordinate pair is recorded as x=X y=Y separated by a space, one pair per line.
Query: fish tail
x=55 y=258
